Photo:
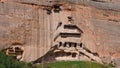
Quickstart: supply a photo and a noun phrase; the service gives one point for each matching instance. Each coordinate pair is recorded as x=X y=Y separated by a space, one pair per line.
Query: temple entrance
x=16 y=51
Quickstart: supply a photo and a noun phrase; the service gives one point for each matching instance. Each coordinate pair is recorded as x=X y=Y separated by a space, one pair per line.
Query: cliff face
x=31 y=25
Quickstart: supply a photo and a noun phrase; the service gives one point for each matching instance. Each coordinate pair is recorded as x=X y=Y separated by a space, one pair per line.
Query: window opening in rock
x=56 y=8
x=64 y=35
x=49 y=10
x=98 y=1
x=69 y=26
x=60 y=44
x=75 y=45
x=70 y=44
x=92 y=60
x=81 y=45
x=74 y=54
x=65 y=44
x=18 y=51
x=70 y=18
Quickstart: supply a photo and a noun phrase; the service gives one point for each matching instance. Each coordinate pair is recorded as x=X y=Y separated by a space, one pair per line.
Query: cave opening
x=15 y=51
x=70 y=18
x=56 y=8
x=81 y=45
x=48 y=9
x=65 y=44
x=74 y=54
x=60 y=44
x=64 y=35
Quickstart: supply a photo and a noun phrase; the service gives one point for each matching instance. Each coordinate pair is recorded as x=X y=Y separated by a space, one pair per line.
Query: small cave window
x=74 y=54
x=65 y=44
x=49 y=10
x=56 y=8
x=17 y=48
x=92 y=60
x=60 y=44
x=81 y=45
x=70 y=18
x=75 y=44
x=70 y=45
x=18 y=51
x=64 y=35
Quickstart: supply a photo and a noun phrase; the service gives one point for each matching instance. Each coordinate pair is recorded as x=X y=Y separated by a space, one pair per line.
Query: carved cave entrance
x=15 y=51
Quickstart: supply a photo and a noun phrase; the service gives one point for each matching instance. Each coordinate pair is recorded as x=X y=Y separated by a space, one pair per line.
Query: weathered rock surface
x=26 y=23
x=117 y=63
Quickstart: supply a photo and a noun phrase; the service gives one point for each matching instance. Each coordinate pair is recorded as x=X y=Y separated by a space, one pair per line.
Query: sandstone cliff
x=31 y=25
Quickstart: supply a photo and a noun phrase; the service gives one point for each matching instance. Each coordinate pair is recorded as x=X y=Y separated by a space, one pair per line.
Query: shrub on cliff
x=9 y=62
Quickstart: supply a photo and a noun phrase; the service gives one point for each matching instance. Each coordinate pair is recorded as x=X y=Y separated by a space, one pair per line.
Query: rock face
x=41 y=28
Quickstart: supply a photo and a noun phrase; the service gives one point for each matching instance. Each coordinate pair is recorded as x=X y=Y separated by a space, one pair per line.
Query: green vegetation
x=74 y=64
x=9 y=62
